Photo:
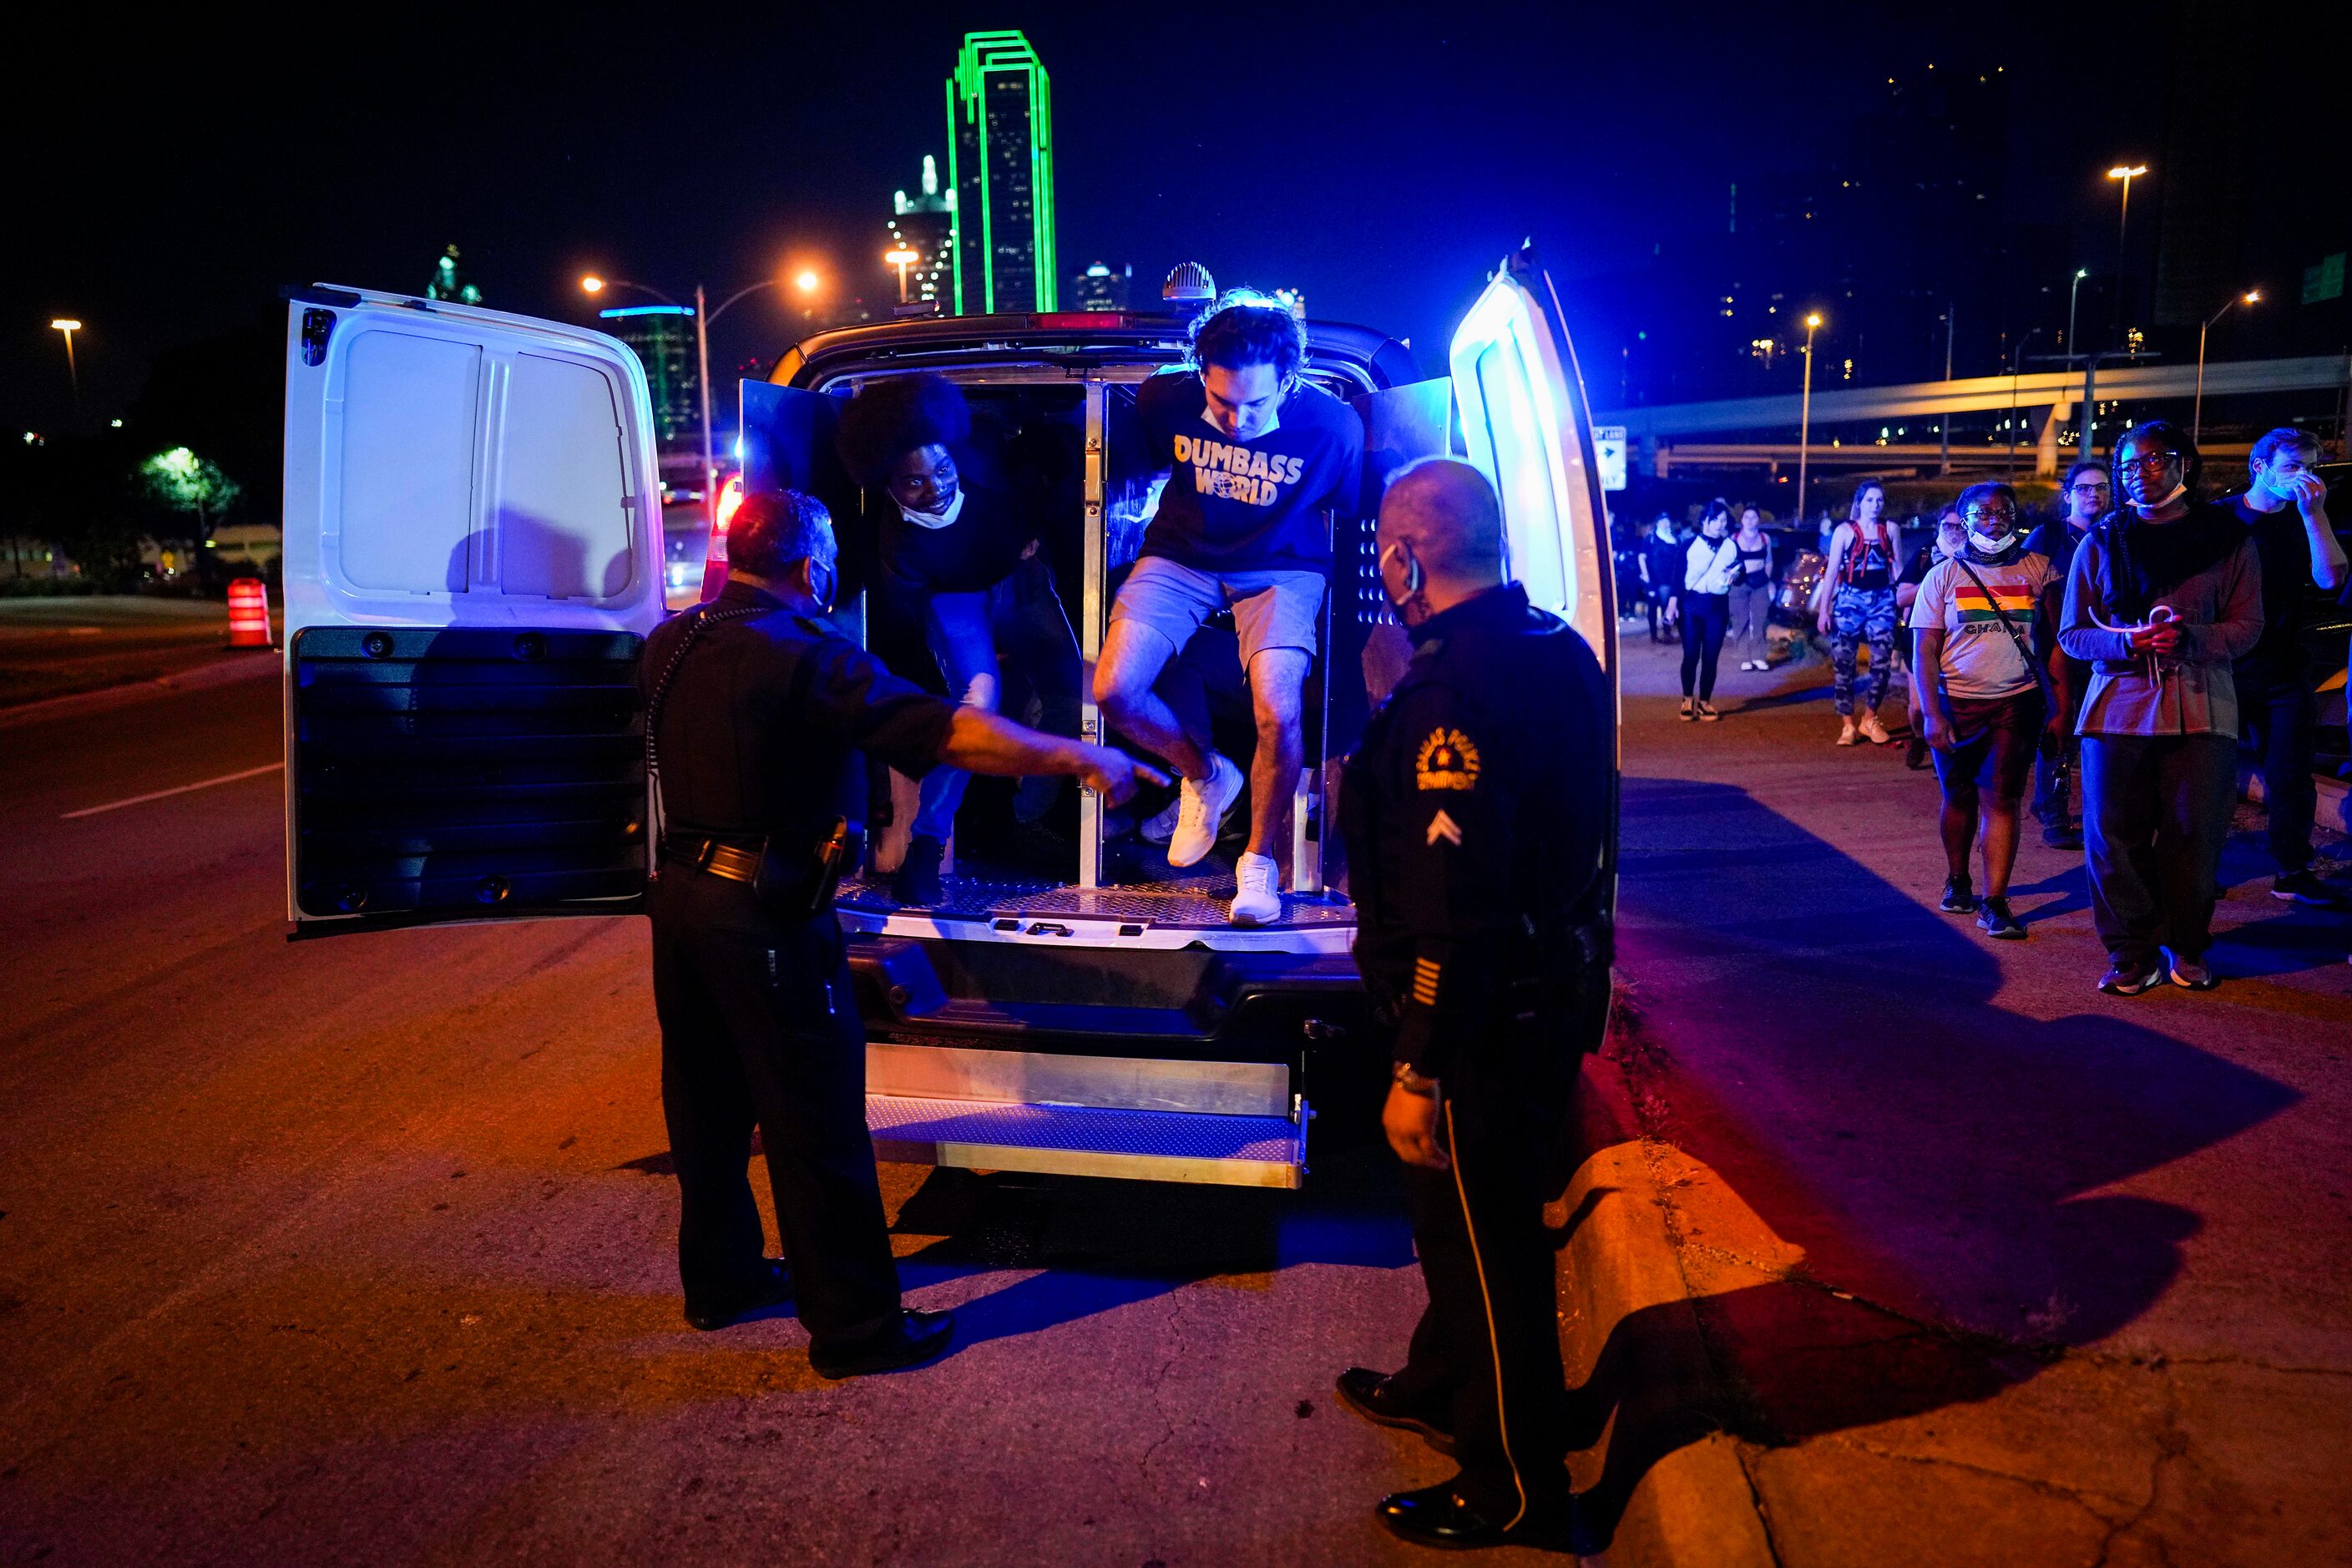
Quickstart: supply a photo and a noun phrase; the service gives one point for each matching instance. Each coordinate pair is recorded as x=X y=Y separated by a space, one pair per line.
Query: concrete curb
x=244 y=666
x=1631 y=1338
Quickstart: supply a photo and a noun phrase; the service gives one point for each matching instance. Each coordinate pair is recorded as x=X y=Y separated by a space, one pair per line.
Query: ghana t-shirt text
x=1233 y=505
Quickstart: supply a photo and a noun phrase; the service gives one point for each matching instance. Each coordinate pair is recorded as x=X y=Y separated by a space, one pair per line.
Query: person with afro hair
x=949 y=552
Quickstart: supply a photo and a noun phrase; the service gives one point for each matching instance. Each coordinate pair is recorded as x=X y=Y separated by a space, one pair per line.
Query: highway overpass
x=2045 y=398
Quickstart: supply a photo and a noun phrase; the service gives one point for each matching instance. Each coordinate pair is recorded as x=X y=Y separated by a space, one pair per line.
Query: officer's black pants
x=1489 y=1266
x=759 y=1027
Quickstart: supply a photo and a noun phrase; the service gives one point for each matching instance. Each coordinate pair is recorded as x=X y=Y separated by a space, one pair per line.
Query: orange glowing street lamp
x=69 y=326
x=1805 y=413
x=2126 y=172
x=2197 y=420
x=901 y=256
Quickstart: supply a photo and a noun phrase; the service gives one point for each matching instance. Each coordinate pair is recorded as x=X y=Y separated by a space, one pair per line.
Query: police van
x=474 y=557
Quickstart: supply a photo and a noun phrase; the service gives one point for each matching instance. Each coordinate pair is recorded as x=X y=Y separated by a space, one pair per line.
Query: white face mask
x=2146 y=507
x=934 y=519
x=1990 y=544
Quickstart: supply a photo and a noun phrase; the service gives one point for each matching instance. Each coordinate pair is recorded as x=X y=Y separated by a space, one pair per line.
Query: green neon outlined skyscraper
x=1001 y=166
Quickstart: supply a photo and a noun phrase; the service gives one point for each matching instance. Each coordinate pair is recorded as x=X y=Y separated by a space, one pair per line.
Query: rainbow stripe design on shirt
x=1970 y=606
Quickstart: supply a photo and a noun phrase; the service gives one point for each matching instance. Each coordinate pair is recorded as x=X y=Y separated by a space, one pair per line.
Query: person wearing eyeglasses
x=2162 y=598
x=2285 y=510
x=2088 y=496
x=1980 y=629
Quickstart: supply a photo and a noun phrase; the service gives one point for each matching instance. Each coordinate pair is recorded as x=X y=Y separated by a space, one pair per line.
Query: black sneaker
x=1996 y=920
x=917 y=880
x=2303 y=887
x=2131 y=979
x=2062 y=835
x=1914 y=753
x=1959 y=898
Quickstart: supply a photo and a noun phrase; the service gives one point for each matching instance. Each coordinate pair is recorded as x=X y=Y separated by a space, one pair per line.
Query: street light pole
x=1944 y=427
x=702 y=374
x=702 y=320
x=1805 y=416
x=2016 y=358
x=2073 y=293
x=69 y=326
x=2127 y=173
x=2197 y=420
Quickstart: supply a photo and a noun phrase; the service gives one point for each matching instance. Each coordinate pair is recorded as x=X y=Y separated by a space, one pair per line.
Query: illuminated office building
x=1102 y=288
x=662 y=337
x=925 y=223
x=1001 y=169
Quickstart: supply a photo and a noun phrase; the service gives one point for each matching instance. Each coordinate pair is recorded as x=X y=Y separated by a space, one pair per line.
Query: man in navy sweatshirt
x=1256 y=455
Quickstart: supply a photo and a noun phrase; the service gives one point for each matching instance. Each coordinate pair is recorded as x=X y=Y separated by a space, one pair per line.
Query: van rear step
x=1226 y=1123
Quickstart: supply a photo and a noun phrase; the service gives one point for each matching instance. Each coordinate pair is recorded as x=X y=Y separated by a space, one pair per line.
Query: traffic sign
x=1609 y=449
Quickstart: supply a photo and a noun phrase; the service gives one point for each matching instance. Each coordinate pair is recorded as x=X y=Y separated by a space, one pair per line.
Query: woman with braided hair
x=2164 y=594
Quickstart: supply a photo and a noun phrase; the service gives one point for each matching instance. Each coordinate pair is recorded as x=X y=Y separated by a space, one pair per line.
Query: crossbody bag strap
x=2024 y=650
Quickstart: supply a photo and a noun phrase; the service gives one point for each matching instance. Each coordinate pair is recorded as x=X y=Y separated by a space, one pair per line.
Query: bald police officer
x=1475 y=816
x=756 y=711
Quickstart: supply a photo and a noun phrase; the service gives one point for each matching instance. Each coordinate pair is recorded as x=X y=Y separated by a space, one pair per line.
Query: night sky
x=1380 y=158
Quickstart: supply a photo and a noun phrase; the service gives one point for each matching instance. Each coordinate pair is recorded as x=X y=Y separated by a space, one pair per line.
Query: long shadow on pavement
x=1102 y=1244
x=1832 y=1050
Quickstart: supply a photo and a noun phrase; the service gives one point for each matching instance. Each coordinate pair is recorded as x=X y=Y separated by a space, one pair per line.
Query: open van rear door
x=472 y=561
x=1526 y=425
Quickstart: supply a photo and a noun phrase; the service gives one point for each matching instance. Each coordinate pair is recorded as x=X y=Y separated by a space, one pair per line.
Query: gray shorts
x=1271 y=609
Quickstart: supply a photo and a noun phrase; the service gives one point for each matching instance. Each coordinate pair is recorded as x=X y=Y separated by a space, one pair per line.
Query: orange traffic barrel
x=248 y=614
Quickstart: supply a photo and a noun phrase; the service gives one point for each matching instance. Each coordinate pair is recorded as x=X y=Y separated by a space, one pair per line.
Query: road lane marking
x=182 y=789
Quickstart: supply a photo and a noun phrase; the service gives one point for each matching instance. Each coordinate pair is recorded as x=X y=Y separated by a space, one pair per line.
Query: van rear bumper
x=1185 y=1066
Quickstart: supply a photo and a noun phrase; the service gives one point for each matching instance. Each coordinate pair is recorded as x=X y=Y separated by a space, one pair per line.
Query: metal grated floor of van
x=1194 y=897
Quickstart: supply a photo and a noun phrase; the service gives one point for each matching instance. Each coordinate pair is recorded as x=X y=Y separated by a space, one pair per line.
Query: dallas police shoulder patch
x=1447 y=759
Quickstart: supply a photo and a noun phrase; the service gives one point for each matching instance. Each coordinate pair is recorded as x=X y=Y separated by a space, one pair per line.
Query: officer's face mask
x=823 y=583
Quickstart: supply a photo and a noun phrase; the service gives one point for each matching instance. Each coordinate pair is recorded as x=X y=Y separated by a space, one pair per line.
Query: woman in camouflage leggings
x=1856 y=604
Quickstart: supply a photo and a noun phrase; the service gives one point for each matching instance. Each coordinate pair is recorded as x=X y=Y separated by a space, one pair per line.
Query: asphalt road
x=57 y=648
x=363 y=1248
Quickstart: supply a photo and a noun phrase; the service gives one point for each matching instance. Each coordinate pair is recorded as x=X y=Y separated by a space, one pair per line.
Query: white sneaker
x=1873 y=732
x=1160 y=826
x=1202 y=808
x=1257 y=890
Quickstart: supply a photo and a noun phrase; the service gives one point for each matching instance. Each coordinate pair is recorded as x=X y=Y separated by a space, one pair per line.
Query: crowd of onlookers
x=2131 y=647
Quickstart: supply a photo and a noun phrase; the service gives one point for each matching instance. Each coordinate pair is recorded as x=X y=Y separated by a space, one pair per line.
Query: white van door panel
x=1525 y=426
x=448 y=465
x=472 y=562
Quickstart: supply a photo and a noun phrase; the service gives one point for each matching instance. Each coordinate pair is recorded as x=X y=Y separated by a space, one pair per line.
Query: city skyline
x=727 y=181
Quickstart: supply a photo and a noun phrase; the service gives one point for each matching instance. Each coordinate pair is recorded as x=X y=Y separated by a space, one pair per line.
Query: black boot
x=1378 y=1400
x=772 y=1287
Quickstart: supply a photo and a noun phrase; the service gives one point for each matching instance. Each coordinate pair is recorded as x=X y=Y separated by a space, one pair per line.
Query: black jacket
x=1477 y=816
x=760 y=730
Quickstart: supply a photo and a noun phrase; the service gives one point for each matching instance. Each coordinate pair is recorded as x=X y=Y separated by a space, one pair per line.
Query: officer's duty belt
x=716 y=857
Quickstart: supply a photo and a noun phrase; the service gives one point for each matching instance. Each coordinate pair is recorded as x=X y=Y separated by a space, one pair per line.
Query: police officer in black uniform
x=1475 y=814
x=756 y=709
